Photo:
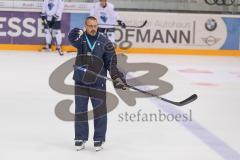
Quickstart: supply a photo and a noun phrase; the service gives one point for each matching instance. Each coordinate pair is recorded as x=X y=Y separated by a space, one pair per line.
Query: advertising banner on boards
x=163 y=30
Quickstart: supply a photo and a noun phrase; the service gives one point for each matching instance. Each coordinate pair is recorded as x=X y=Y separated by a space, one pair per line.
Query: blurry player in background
x=51 y=15
x=105 y=14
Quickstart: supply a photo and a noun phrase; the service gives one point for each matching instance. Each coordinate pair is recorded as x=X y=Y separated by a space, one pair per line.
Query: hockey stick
x=181 y=103
x=59 y=51
x=129 y=26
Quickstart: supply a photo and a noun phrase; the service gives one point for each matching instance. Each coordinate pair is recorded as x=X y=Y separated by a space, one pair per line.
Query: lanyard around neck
x=89 y=44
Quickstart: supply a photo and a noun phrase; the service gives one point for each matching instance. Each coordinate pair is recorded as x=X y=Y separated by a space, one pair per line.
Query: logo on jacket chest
x=103 y=17
x=50 y=6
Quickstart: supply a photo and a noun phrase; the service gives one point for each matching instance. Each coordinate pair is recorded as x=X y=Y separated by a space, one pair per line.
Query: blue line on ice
x=211 y=140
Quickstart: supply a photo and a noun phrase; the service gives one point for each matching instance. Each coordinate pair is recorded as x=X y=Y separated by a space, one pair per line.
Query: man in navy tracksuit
x=95 y=53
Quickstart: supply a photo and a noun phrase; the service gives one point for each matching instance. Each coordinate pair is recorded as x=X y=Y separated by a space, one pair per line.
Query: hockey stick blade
x=59 y=52
x=144 y=23
x=184 y=102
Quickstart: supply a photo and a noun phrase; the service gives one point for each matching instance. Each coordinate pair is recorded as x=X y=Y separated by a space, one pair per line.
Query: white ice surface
x=30 y=130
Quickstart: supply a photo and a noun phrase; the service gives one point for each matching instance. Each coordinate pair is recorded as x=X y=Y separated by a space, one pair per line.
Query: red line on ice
x=192 y=70
x=205 y=84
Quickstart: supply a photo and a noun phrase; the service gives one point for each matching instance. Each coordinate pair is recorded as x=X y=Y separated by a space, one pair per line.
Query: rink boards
x=166 y=33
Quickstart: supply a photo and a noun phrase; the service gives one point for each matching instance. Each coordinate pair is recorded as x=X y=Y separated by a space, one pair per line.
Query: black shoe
x=46 y=48
x=80 y=144
x=59 y=48
x=98 y=145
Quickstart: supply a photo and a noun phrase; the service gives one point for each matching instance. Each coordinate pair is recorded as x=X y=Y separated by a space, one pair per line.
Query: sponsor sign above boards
x=38 y=5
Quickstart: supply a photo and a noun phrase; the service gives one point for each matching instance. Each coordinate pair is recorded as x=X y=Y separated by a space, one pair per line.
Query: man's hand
x=44 y=19
x=75 y=34
x=55 y=18
x=78 y=32
x=43 y=16
x=121 y=23
x=119 y=83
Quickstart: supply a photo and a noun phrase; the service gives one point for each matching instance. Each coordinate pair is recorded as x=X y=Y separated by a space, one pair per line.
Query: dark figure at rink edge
x=90 y=44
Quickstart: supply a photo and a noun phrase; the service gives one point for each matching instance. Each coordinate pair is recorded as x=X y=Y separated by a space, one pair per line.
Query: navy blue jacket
x=101 y=59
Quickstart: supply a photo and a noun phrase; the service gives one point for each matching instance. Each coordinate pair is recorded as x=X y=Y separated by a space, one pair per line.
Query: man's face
x=103 y=3
x=91 y=27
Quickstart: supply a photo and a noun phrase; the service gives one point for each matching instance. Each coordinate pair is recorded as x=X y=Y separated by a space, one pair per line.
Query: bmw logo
x=211 y=24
